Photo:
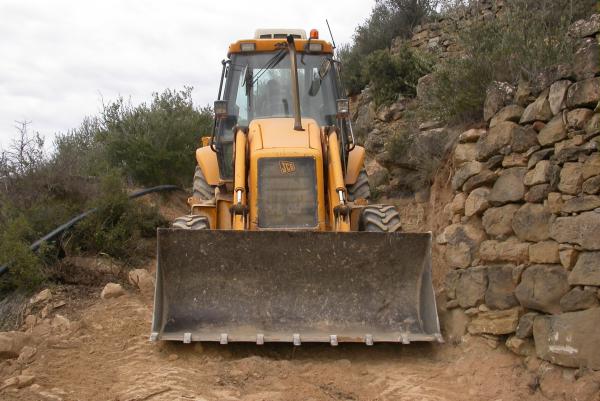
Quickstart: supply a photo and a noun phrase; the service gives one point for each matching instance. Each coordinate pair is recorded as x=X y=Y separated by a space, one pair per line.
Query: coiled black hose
x=60 y=229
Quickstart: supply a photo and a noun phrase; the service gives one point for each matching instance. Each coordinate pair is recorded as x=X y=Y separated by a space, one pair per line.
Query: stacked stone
x=440 y=37
x=524 y=238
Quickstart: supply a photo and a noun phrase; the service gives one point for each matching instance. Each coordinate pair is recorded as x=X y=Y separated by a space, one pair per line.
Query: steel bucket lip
x=159 y=332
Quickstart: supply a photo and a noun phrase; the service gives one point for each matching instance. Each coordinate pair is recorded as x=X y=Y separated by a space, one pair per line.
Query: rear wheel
x=191 y=222
x=360 y=189
x=202 y=189
x=380 y=218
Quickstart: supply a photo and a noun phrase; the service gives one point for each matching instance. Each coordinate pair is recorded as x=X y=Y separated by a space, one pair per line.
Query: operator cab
x=258 y=84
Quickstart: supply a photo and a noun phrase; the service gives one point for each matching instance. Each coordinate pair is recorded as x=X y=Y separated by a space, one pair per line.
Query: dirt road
x=102 y=353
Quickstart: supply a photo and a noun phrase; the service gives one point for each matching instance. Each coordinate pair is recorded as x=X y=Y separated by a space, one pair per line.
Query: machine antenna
x=330 y=34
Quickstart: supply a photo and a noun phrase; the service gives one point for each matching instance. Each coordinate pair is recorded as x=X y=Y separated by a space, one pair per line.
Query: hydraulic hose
x=63 y=227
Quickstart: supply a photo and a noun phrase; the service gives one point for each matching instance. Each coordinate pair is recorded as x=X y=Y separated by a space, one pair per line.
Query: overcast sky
x=59 y=58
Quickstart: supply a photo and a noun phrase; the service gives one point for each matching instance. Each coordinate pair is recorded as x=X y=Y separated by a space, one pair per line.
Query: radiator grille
x=287 y=192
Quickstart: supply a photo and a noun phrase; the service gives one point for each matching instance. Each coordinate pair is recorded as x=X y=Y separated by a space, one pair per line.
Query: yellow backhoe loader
x=281 y=244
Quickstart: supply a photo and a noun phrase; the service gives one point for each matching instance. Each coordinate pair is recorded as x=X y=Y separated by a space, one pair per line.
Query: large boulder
x=495 y=322
x=508 y=187
x=465 y=172
x=578 y=299
x=532 y=222
x=512 y=112
x=591 y=167
x=557 y=95
x=581 y=230
x=500 y=293
x=569 y=339
x=553 y=132
x=584 y=93
x=542 y=287
x=510 y=250
x=465 y=152
x=485 y=177
x=544 y=252
x=581 y=203
x=585 y=27
x=571 y=178
x=463 y=242
x=477 y=202
x=497 y=221
x=577 y=119
x=504 y=134
x=587 y=269
x=543 y=172
x=538 y=110
x=586 y=62
x=471 y=286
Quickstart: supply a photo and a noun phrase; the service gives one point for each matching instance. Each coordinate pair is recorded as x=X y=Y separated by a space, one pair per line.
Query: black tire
x=202 y=189
x=191 y=222
x=360 y=189
x=380 y=218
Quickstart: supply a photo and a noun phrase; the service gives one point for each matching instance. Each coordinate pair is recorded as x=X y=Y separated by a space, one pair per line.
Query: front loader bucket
x=286 y=286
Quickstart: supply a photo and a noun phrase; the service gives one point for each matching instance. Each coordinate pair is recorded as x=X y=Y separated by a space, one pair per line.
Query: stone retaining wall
x=523 y=234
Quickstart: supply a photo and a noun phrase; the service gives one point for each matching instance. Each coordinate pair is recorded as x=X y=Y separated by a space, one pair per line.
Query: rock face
x=532 y=222
x=504 y=134
x=471 y=286
x=465 y=172
x=500 y=293
x=542 y=287
x=578 y=299
x=584 y=93
x=571 y=178
x=495 y=322
x=463 y=241
x=569 y=339
x=544 y=252
x=497 y=221
x=525 y=326
x=511 y=112
x=477 y=202
x=510 y=250
x=508 y=187
x=557 y=95
x=553 y=132
x=582 y=230
x=586 y=270
x=538 y=110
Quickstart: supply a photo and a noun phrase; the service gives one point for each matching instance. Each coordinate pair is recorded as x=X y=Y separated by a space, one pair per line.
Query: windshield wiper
x=250 y=79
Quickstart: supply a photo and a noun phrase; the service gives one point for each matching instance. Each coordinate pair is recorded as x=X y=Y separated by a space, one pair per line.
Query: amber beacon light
x=314 y=34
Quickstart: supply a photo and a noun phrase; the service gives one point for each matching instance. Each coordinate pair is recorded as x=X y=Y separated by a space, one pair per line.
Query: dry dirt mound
x=103 y=353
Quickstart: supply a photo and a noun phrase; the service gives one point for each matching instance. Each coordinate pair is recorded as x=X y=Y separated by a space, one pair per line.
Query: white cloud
x=59 y=58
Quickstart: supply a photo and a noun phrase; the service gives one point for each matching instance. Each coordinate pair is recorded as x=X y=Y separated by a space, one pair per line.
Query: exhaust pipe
x=295 y=90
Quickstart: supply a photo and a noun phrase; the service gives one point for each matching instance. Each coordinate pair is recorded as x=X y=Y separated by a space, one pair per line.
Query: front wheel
x=191 y=222
x=380 y=218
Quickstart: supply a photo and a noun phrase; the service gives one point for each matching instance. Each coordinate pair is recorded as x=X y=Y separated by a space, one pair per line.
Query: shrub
x=118 y=225
x=25 y=267
x=155 y=144
x=388 y=19
x=395 y=74
x=524 y=39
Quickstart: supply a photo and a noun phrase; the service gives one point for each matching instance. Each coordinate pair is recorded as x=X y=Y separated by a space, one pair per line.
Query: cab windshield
x=259 y=86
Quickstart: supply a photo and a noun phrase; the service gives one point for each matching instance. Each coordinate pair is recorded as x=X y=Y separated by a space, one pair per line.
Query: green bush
x=155 y=144
x=524 y=39
x=388 y=20
x=25 y=267
x=395 y=74
x=118 y=225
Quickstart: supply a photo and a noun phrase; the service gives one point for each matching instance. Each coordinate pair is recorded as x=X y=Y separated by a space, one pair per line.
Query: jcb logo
x=287 y=167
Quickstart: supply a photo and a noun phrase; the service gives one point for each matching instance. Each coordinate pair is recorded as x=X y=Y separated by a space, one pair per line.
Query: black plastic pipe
x=62 y=228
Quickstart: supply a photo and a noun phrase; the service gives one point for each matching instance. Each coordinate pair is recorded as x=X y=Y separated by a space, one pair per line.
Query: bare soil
x=103 y=353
